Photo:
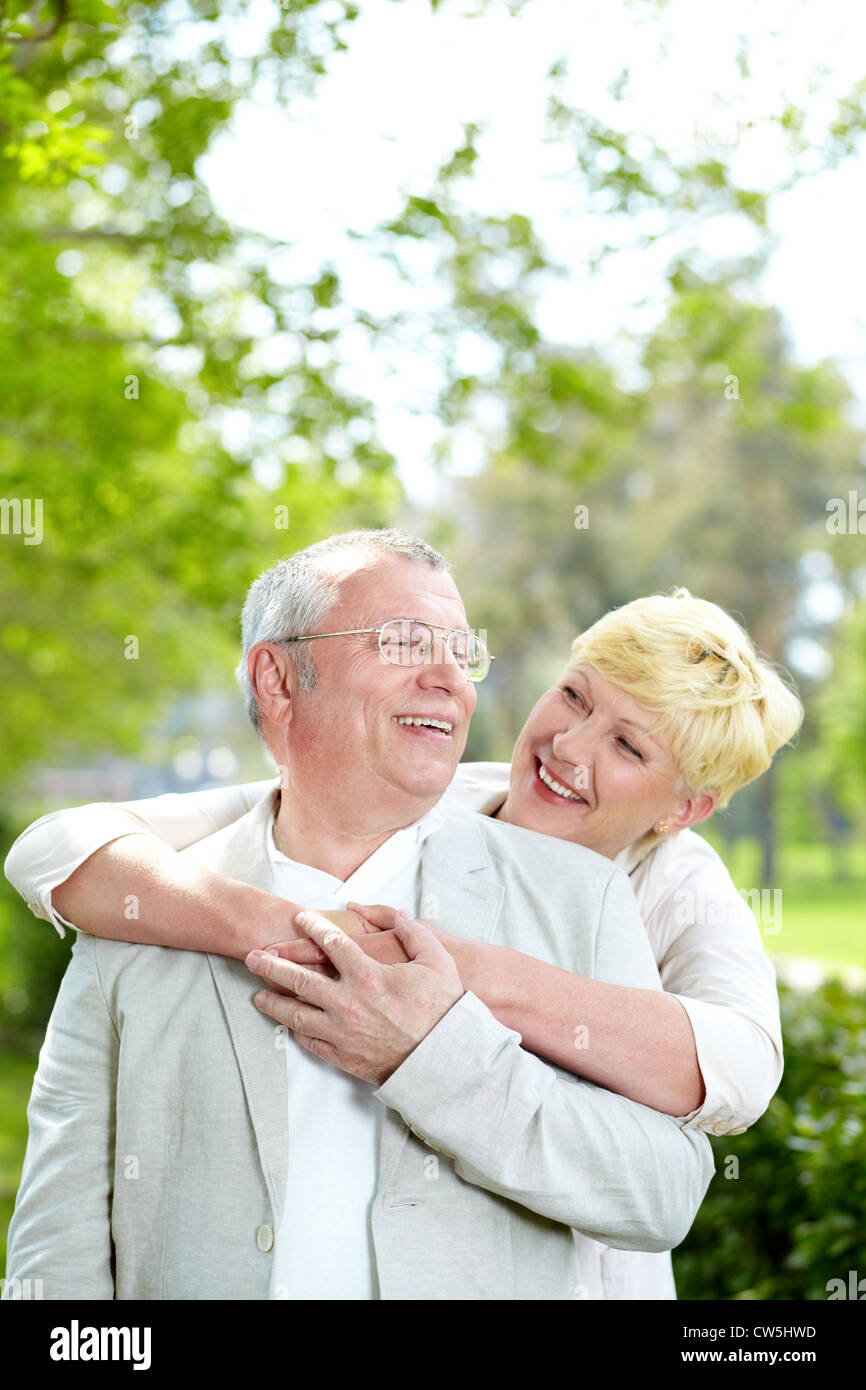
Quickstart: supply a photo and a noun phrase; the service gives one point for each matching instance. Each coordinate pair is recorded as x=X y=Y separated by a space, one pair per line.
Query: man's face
x=343 y=745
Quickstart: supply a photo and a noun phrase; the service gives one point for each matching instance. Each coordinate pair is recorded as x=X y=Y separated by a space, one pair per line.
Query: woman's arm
x=709 y=1049
x=50 y=850
x=711 y=957
x=652 y=1047
x=113 y=870
x=139 y=889
x=637 y=1042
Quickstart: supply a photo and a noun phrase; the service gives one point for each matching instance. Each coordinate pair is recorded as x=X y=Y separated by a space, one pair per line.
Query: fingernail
x=253 y=959
x=302 y=918
x=404 y=912
x=261 y=997
x=272 y=951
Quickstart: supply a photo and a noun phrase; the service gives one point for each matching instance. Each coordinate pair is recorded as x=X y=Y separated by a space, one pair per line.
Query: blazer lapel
x=460 y=890
x=259 y=1047
x=460 y=893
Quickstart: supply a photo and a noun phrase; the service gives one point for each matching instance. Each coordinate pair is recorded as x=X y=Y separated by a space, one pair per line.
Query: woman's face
x=614 y=781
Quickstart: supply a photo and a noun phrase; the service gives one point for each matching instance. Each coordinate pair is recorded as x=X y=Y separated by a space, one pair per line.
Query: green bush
x=32 y=963
x=795 y=1215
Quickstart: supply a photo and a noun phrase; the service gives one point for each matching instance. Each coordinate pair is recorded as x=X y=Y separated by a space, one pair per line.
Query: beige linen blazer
x=156 y=1162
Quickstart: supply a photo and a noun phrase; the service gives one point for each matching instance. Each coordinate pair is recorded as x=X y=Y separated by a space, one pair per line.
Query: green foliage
x=793 y=1217
x=842 y=715
x=129 y=341
x=33 y=960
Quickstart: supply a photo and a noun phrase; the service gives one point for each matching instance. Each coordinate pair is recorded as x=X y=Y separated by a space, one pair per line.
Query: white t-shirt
x=324 y=1244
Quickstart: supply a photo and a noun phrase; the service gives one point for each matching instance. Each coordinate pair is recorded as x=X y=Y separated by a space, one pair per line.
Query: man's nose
x=442 y=667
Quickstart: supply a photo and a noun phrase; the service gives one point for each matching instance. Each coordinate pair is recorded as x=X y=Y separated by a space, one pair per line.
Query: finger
x=351 y=1064
x=421 y=943
x=378 y=915
x=319 y=1048
x=341 y=950
x=285 y=974
x=300 y=949
x=385 y=947
x=297 y=1017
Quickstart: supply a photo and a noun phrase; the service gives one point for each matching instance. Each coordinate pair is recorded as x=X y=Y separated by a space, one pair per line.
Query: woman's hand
x=372 y=928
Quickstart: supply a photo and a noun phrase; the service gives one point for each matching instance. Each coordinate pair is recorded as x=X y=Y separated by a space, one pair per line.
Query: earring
x=663 y=826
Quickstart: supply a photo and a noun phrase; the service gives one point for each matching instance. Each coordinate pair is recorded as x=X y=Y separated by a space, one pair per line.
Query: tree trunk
x=766 y=790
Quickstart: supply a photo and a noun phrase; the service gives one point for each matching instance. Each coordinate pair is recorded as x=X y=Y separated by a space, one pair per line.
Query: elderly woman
x=663 y=711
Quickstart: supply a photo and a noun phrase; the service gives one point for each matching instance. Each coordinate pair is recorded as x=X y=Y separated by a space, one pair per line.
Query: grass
x=823 y=899
x=827 y=925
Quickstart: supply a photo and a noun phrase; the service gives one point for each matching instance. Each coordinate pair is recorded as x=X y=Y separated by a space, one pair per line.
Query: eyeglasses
x=410 y=642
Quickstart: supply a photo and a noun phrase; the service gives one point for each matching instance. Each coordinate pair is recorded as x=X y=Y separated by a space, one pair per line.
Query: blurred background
x=573 y=291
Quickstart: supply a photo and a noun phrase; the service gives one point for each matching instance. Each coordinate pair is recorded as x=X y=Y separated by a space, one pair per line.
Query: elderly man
x=183 y=1145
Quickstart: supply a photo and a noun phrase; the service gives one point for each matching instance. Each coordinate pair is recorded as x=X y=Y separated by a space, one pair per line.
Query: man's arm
x=618 y=1171
x=61 y=1230
x=602 y=1163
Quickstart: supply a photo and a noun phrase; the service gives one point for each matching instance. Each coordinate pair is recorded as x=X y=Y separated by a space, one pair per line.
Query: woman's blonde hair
x=723 y=708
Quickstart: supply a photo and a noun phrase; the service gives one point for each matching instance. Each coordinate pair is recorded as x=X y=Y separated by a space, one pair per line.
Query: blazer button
x=265 y=1238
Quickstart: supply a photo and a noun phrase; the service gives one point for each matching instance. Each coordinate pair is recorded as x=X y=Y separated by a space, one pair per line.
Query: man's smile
x=432 y=728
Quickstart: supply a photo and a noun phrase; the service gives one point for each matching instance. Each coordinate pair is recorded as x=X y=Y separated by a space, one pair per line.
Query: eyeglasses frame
x=434 y=627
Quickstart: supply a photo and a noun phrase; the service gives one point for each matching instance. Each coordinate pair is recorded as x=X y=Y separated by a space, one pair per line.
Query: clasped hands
x=362 y=1003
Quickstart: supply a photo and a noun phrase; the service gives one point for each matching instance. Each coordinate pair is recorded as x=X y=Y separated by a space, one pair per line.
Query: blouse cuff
x=741 y=1063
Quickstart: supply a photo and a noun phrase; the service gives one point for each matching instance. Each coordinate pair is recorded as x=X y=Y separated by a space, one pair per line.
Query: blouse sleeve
x=53 y=847
x=711 y=957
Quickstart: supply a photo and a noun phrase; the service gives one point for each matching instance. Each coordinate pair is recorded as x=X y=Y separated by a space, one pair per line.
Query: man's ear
x=272 y=680
x=690 y=811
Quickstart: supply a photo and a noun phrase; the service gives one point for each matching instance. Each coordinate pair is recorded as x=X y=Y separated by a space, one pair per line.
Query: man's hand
x=367 y=1019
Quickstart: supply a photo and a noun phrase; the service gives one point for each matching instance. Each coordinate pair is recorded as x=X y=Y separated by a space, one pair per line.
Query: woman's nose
x=574 y=746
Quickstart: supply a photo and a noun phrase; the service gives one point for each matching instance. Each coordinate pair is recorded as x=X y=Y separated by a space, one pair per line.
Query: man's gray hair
x=294 y=596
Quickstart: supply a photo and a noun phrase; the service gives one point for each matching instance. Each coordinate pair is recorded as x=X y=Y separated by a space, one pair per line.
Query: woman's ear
x=271 y=674
x=690 y=811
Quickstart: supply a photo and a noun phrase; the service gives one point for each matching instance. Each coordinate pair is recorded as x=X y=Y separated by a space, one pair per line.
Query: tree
x=174 y=389
x=717 y=475
x=841 y=710
x=129 y=344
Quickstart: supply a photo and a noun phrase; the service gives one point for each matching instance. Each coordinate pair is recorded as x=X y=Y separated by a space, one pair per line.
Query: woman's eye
x=572 y=694
x=625 y=743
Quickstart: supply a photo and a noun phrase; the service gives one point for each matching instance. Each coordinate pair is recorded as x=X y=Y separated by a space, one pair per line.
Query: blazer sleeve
x=61 y=1230
x=620 y=1172
x=49 y=851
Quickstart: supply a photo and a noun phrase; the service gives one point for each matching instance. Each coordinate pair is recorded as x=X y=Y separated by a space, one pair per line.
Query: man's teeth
x=556 y=786
x=431 y=723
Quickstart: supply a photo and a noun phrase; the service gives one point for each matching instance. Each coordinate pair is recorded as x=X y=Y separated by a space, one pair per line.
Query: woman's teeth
x=556 y=786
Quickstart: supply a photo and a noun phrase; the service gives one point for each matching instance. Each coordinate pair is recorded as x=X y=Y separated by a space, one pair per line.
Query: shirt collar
x=629 y=858
x=418 y=831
